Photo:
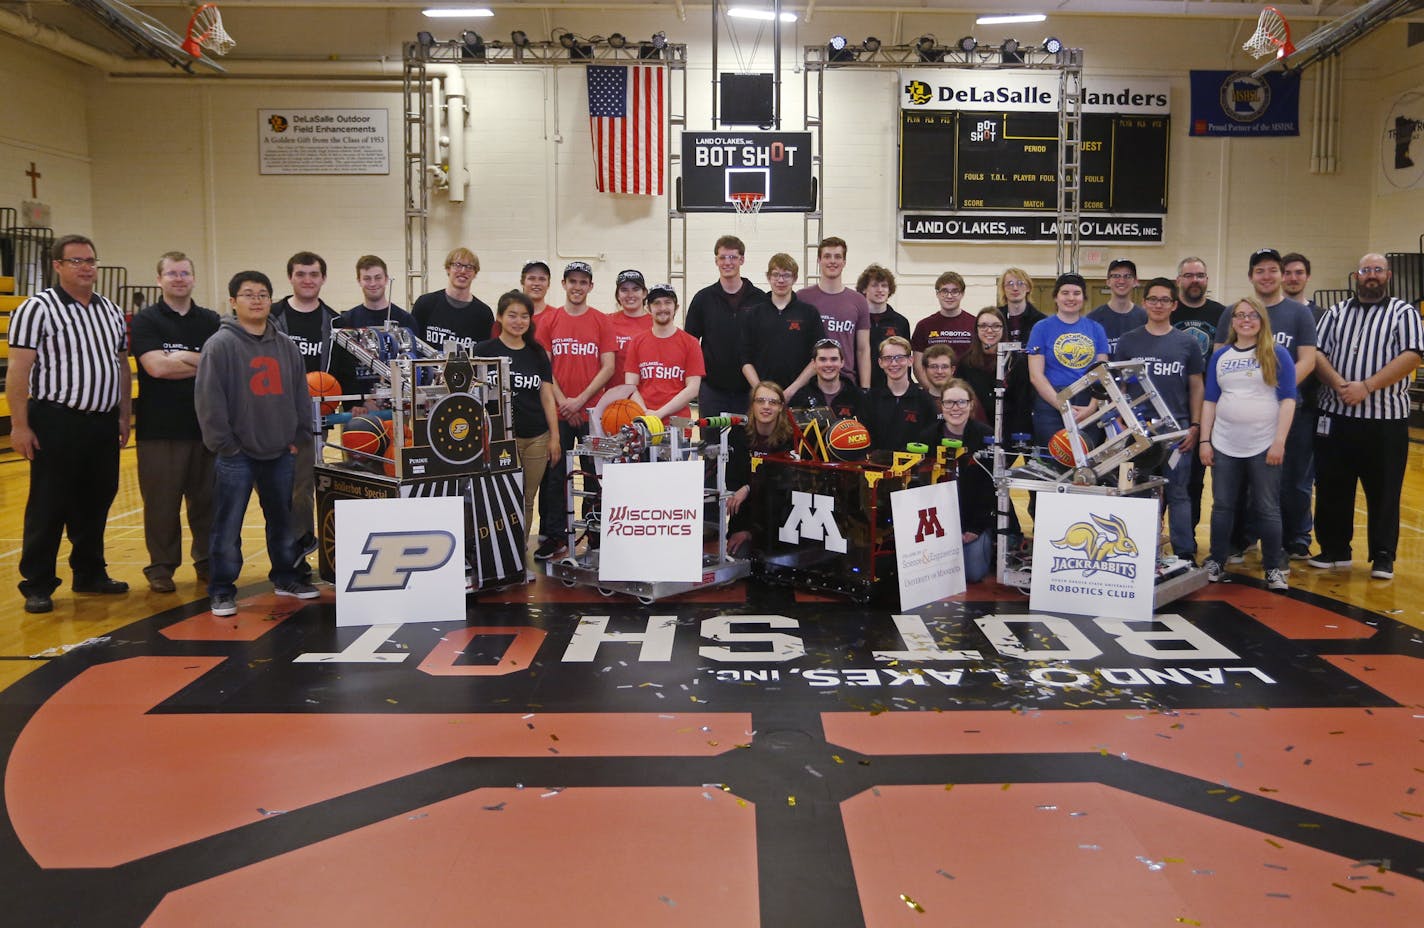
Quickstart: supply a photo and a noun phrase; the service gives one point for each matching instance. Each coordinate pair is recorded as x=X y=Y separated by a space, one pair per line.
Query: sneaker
x=1276 y=579
x=1323 y=562
x=223 y=604
x=1298 y=552
x=305 y=546
x=551 y=547
x=38 y=602
x=1237 y=557
x=103 y=586
x=1214 y=571
x=1382 y=569
x=297 y=589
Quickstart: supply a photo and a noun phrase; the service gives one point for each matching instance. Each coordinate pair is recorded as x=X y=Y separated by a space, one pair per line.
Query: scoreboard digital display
x=962 y=161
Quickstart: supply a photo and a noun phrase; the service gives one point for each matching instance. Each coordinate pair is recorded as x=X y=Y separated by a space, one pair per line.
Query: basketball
x=322 y=384
x=618 y=414
x=848 y=440
x=1061 y=447
x=366 y=434
x=389 y=451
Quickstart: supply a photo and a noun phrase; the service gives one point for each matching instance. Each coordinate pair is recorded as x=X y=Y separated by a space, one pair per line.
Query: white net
x=1272 y=33
x=748 y=204
x=206 y=29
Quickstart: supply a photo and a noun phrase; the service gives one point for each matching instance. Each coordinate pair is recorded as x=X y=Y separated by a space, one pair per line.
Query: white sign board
x=1094 y=555
x=323 y=142
x=929 y=552
x=1025 y=91
x=399 y=560
x=652 y=522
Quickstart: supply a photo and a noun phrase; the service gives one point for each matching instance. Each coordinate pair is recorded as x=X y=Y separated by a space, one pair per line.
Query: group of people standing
x=1280 y=398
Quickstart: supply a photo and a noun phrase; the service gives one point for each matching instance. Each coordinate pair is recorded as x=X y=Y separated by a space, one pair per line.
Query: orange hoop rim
x=748 y=202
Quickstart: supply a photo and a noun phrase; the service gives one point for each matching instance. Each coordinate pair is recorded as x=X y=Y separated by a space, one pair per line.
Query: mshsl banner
x=1094 y=555
x=1234 y=103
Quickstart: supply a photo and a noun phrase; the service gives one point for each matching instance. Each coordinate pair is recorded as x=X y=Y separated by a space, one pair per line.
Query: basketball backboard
x=717 y=166
x=1331 y=37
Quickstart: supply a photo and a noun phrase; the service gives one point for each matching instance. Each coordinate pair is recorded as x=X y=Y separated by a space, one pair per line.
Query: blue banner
x=1235 y=103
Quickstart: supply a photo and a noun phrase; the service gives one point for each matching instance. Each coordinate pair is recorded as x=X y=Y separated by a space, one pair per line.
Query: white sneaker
x=223 y=604
x=1276 y=579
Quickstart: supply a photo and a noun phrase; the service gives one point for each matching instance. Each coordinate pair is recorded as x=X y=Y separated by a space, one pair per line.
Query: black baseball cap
x=1128 y=263
x=631 y=277
x=578 y=267
x=658 y=290
x=1070 y=278
x=1264 y=254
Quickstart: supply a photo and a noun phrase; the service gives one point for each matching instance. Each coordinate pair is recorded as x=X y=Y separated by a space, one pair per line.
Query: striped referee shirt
x=1360 y=340
x=76 y=348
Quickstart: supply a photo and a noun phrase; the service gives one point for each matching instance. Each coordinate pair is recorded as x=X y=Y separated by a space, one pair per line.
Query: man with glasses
x=1019 y=314
x=454 y=313
x=950 y=326
x=1294 y=330
x=898 y=413
x=1174 y=362
x=69 y=392
x=254 y=409
x=779 y=333
x=1119 y=314
x=831 y=389
x=1197 y=316
x=845 y=314
x=1370 y=346
x=173 y=463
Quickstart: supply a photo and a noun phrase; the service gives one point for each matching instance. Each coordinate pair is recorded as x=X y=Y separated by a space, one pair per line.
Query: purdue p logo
x=813 y=517
x=397 y=555
x=929 y=525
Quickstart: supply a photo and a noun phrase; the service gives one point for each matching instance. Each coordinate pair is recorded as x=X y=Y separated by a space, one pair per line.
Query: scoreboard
x=960 y=161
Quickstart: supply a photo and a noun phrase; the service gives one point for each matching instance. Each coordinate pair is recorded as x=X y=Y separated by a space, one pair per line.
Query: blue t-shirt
x=1116 y=324
x=1068 y=349
x=1172 y=359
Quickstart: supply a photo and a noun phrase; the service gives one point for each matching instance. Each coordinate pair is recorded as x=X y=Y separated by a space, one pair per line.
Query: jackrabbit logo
x=1102 y=541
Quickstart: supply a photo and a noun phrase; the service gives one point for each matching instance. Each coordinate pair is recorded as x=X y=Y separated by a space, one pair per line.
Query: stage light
x=617 y=40
x=927 y=47
x=871 y=44
x=837 y=50
x=743 y=12
x=1010 y=18
x=1053 y=45
x=659 y=40
x=566 y=40
x=457 y=12
x=518 y=39
x=652 y=49
x=967 y=44
x=1009 y=52
x=425 y=39
x=472 y=46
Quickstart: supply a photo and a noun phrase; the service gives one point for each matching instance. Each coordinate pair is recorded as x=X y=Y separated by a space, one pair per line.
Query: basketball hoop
x=205 y=30
x=1272 y=34
x=748 y=204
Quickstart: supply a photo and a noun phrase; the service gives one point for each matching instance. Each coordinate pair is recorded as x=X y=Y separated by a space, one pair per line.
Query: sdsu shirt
x=663 y=366
x=576 y=345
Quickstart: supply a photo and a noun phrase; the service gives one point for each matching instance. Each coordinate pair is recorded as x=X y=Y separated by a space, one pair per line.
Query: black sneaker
x=551 y=547
x=1382 y=569
x=38 y=602
x=104 y=586
x=1298 y=552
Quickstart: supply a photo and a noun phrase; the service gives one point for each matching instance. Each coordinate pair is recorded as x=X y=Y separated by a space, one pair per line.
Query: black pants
x=73 y=480
x=1373 y=453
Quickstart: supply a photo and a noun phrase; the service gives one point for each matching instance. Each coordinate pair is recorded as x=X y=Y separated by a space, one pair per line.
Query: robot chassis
x=644 y=440
x=1140 y=433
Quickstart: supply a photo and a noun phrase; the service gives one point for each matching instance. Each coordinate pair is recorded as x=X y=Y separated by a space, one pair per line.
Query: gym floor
x=565 y=758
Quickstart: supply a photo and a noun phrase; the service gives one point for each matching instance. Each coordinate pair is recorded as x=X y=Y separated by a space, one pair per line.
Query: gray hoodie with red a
x=251 y=392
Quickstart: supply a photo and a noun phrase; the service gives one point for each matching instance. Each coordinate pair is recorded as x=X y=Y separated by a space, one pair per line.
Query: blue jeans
x=1298 y=478
x=977 y=555
x=1228 y=475
x=233 y=480
x=1178 y=499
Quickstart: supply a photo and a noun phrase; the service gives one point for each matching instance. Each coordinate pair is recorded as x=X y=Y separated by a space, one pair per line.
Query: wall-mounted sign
x=323 y=142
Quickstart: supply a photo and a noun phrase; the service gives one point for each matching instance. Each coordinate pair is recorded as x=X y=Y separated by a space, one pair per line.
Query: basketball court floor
x=741 y=757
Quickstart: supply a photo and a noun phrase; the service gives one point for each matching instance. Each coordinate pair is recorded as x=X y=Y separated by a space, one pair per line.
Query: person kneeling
x=976 y=489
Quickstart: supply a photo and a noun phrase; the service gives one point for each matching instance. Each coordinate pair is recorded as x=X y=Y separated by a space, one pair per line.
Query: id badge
x=1322 y=426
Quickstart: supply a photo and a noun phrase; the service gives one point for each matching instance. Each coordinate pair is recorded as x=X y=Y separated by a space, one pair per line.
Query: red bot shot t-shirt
x=625 y=329
x=663 y=366
x=576 y=345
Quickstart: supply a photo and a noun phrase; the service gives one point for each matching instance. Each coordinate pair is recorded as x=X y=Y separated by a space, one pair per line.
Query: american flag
x=626 y=106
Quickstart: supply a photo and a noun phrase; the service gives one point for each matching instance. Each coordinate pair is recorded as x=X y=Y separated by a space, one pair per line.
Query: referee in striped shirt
x=1369 y=347
x=69 y=392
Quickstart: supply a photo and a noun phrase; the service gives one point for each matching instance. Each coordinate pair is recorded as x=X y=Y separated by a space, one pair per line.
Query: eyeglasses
x=1160 y=300
x=177 y=275
x=825 y=343
x=780 y=275
x=949 y=291
x=954 y=404
x=258 y=296
x=1015 y=283
x=1193 y=275
x=80 y=262
x=894 y=358
x=766 y=401
x=461 y=266
x=1376 y=269
x=1119 y=275
x=989 y=326
x=1247 y=317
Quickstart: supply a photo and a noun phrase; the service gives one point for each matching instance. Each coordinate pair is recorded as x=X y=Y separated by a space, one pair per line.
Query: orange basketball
x=390 y=450
x=618 y=414
x=322 y=384
x=364 y=433
x=1061 y=446
x=848 y=440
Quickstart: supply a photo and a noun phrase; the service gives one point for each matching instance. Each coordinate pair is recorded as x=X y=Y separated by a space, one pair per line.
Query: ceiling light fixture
x=745 y=12
x=457 y=12
x=1010 y=18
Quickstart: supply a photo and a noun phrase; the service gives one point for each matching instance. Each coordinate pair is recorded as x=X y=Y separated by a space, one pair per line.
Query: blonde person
x=1250 y=400
x=1019 y=314
x=536 y=418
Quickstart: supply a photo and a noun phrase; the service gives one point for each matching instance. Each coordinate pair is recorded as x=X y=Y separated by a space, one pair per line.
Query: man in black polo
x=715 y=316
x=173 y=463
x=70 y=404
